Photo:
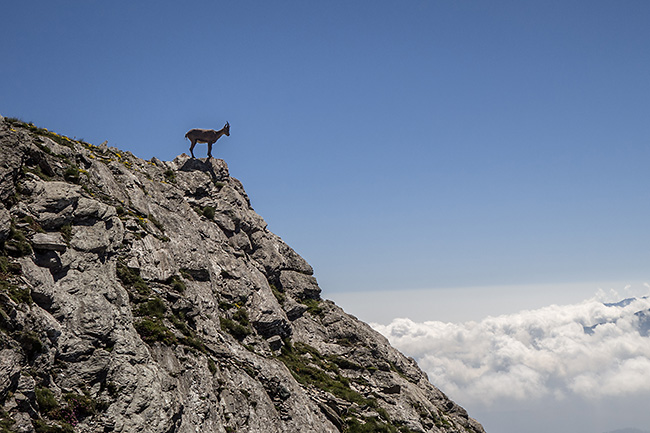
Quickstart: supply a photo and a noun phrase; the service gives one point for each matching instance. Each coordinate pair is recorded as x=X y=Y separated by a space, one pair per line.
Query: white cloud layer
x=552 y=352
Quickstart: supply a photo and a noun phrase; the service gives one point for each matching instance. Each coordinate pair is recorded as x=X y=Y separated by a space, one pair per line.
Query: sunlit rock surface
x=148 y=296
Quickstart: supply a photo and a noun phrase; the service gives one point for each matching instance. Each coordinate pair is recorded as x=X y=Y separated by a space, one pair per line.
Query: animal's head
x=226 y=129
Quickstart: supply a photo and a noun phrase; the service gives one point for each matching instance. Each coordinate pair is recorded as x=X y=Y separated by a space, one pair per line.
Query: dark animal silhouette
x=209 y=136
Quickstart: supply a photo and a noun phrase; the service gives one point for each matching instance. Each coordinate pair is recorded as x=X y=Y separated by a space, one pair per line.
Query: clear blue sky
x=395 y=145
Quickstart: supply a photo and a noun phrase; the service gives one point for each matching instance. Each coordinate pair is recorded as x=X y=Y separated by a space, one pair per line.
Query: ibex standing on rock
x=209 y=136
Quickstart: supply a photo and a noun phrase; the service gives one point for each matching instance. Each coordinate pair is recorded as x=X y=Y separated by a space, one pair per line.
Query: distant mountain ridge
x=148 y=296
x=643 y=317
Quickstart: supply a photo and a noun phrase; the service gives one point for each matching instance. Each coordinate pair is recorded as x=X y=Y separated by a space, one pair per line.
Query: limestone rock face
x=148 y=296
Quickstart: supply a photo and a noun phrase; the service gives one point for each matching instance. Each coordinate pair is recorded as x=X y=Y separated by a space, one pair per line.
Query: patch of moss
x=66 y=232
x=371 y=425
x=212 y=366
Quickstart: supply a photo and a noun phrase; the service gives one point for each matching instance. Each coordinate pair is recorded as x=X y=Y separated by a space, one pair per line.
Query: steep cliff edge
x=148 y=296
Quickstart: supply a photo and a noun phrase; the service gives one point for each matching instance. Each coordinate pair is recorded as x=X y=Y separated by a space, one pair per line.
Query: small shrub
x=7 y=267
x=33 y=224
x=41 y=426
x=225 y=306
x=371 y=425
x=194 y=342
x=212 y=366
x=6 y=422
x=80 y=405
x=312 y=370
x=208 y=212
x=185 y=273
x=170 y=175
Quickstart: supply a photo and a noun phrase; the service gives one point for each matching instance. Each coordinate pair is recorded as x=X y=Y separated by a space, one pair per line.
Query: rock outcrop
x=148 y=296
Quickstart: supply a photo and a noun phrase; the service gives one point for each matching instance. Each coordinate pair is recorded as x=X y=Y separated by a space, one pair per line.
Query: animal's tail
x=186 y=136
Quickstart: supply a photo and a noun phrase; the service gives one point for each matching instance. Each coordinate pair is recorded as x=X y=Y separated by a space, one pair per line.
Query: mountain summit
x=148 y=296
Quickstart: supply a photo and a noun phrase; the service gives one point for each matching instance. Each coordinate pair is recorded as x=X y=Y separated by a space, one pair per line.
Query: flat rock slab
x=49 y=242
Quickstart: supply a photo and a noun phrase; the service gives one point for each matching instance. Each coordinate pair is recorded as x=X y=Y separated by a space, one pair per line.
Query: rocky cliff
x=148 y=296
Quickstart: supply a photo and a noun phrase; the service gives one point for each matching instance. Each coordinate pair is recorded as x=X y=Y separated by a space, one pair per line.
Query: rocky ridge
x=148 y=296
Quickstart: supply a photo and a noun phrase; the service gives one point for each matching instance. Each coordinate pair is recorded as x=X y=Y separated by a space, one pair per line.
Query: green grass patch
x=154 y=308
x=311 y=370
x=233 y=328
x=153 y=330
x=176 y=283
x=17 y=294
x=71 y=174
x=17 y=244
x=278 y=293
x=132 y=280
x=6 y=422
x=46 y=400
x=40 y=426
x=313 y=306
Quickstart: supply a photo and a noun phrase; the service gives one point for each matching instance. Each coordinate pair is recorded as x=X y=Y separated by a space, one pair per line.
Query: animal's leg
x=192 y=148
x=209 y=150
